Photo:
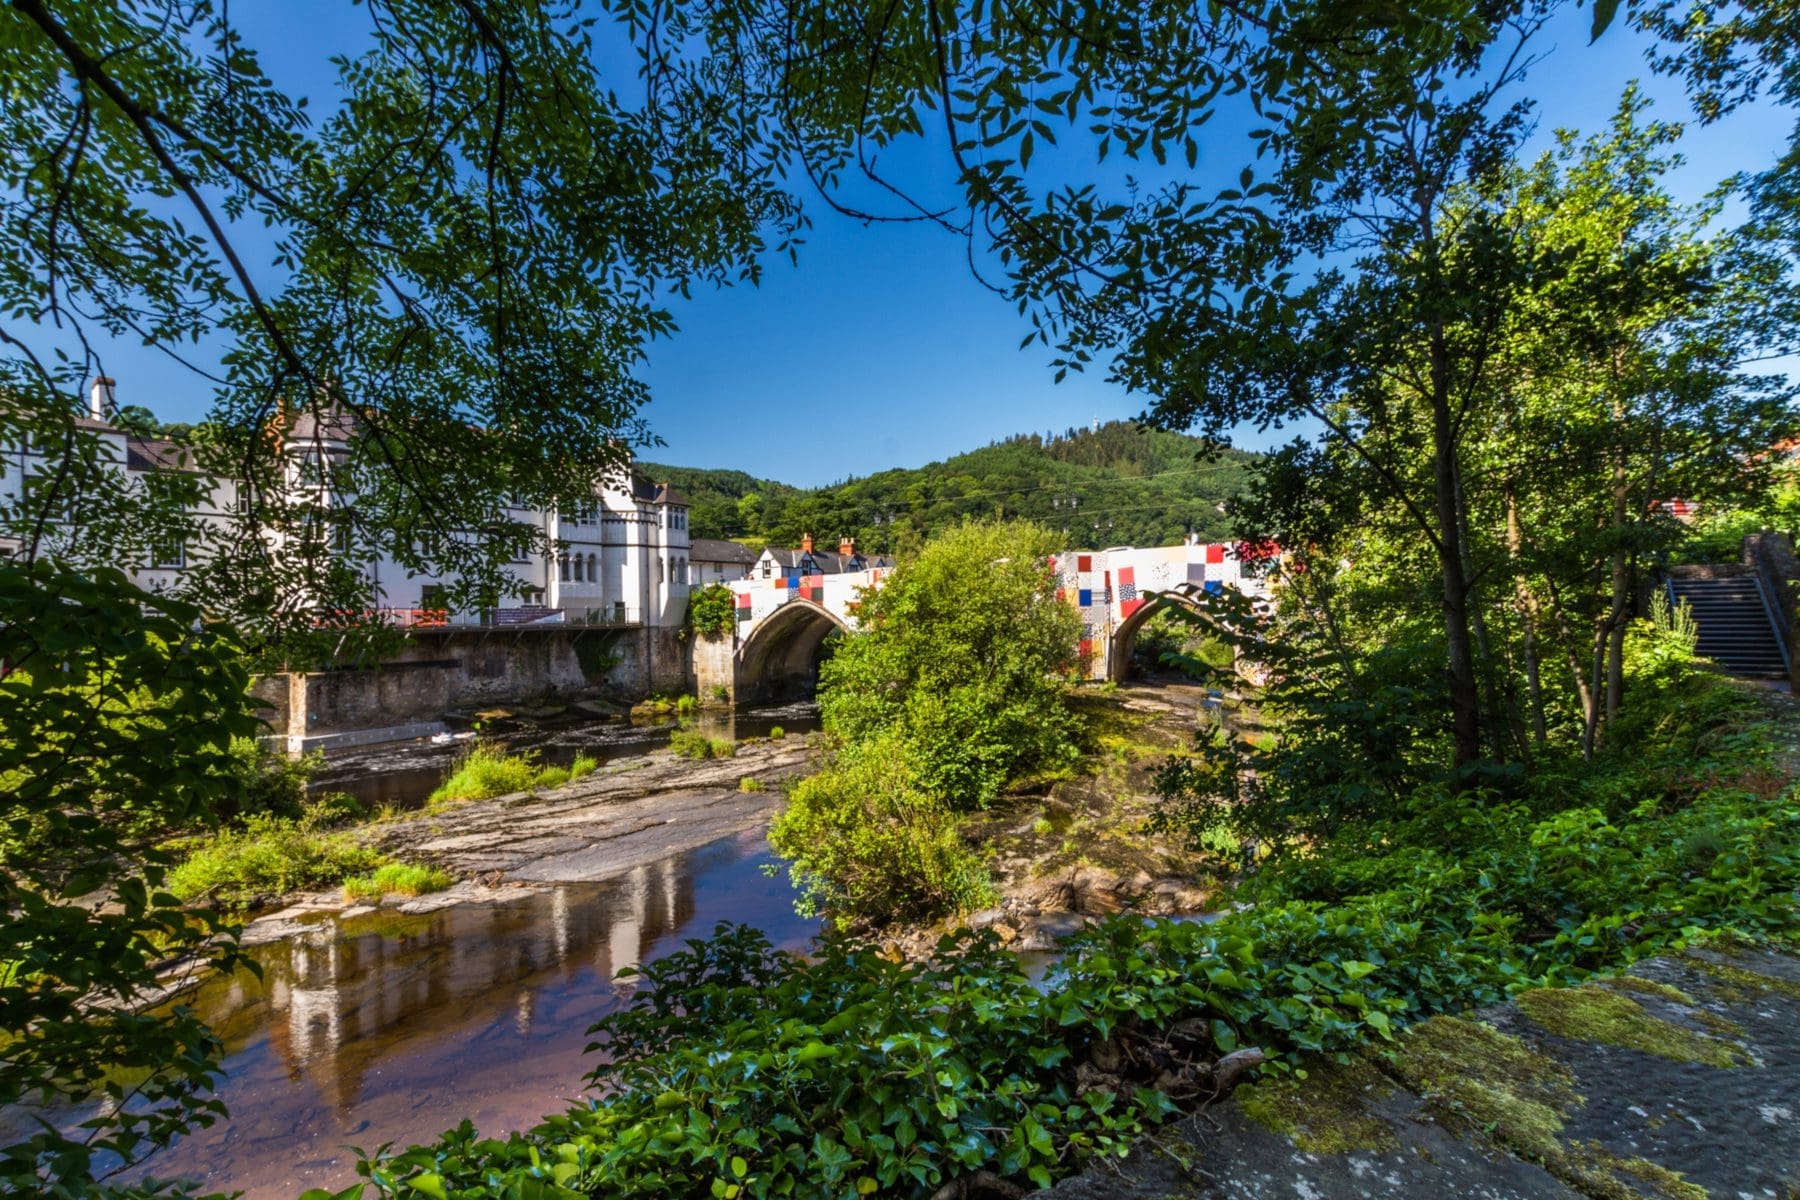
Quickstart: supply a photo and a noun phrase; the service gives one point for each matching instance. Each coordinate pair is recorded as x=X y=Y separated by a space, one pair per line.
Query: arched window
x=562 y=569
x=578 y=568
x=593 y=569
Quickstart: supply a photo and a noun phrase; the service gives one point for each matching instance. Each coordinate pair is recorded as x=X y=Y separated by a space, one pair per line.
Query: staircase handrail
x=1770 y=609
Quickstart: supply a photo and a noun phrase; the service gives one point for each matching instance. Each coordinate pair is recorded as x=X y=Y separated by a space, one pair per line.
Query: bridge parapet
x=782 y=622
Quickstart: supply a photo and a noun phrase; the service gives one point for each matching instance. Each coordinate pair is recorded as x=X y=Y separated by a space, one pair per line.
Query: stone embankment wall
x=440 y=670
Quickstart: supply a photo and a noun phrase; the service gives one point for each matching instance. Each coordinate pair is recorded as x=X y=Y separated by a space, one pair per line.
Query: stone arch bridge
x=783 y=623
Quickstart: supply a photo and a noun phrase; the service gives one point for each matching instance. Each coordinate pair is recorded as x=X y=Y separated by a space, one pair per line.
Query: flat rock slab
x=1678 y=1081
x=602 y=825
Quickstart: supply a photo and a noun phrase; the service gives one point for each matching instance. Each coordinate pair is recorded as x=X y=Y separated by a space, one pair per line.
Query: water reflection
x=393 y=1027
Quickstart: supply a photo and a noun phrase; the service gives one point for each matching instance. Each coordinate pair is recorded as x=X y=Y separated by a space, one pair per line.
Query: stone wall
x=1771 y=555
x=449 y=669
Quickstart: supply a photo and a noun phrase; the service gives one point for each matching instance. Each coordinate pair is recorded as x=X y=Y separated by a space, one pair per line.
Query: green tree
x=964 y=651
x=464 y=256
x=116 y=726
x=951 y=687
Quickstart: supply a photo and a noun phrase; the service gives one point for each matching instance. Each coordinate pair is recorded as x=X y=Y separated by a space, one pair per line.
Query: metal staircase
x=1736 y=621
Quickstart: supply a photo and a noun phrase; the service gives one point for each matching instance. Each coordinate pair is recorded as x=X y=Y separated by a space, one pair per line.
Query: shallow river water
x=392 y=1028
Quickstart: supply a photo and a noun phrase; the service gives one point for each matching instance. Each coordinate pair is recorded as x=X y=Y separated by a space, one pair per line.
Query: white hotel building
x=624 y=559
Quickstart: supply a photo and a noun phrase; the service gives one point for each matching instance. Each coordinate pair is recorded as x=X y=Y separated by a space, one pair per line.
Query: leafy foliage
x=1118 y=485
x=712 y=611
x=114 y=717
x=267 y=858
x=962 y=651
x=487 y=771
x=866 y=841
x=951 y=689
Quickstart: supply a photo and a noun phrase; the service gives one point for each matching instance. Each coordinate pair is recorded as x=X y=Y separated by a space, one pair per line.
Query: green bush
x=712 y=611
x=487 y=771
x=400 y=879
x=267 y=858
x=691 y=743
x=960 y=652
x=864 y=841
x=776 y=733
x=750 y=783
x=687 y=705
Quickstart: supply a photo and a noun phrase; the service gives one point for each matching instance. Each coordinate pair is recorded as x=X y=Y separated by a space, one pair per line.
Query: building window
x=593 y=569
x=577 y=568
x=562 y=569
x=169 y=554
x=343 y=538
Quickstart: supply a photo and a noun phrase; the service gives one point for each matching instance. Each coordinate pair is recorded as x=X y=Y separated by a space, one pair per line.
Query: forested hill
x=1111 y=486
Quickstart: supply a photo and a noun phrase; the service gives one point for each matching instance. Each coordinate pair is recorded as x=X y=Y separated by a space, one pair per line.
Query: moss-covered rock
x=1602 y=1014
x=1327 y=1112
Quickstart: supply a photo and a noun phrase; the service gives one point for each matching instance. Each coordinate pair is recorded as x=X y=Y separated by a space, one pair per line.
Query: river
x=391 y=1028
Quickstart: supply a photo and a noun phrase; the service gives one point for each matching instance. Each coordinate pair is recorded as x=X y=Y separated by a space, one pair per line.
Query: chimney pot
x=847 y=547
x=102 y=397
x=806 y=543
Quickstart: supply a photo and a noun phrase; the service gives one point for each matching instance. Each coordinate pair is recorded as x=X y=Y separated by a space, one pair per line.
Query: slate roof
x=830 y=562
x=714 y=550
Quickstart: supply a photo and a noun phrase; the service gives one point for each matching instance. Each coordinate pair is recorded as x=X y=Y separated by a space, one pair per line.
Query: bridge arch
x=781 y=656
x=1119 y=648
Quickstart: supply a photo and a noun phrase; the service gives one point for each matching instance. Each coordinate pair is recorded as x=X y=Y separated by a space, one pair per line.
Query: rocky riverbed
x=1077 y=847
x=624 y=816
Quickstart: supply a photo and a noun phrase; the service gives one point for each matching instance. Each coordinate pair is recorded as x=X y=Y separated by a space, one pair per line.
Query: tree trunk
x=1588 y=713
x=1621 y=588
x=1526 y=604
x=1465 y=695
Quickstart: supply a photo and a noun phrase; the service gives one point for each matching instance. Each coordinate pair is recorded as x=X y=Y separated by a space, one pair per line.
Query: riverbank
x=1067 y=851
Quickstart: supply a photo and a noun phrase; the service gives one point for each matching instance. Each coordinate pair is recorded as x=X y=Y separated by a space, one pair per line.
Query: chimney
x=102 y=398
x=847 y=547
x=806 y=543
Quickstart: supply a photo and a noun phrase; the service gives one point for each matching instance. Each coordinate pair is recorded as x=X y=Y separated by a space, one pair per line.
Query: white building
x=622 y=559
x=778 y=563
x=714 y=561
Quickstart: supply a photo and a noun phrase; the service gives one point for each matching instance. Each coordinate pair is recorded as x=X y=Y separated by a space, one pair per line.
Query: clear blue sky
x=880 y=349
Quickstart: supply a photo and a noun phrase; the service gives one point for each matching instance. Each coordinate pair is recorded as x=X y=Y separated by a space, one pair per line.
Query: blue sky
x=879 y=349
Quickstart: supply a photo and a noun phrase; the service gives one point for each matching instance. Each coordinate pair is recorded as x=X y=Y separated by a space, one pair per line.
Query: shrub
x=333 y=809
x=401 y=879
x=691 y=743
x=750 y=783
x=268 y=857
x=959 y=653
x=863 y=841
x=712 y=611
x=485 y=771
x=776 y=733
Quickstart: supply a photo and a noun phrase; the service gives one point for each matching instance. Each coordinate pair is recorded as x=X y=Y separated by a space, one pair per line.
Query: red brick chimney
x=847 y=547
x=806 y=543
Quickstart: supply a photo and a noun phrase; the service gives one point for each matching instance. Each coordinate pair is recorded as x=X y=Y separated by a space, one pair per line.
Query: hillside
x=1111 y=486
